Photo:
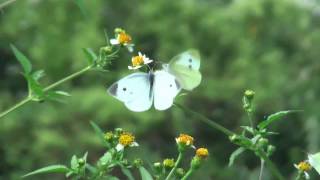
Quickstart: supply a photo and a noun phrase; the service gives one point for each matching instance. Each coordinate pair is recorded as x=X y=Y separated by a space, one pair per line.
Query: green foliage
x=49 y=169
x=274 y=117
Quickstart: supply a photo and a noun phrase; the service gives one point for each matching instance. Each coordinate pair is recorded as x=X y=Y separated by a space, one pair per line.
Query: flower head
x=126 y=139
x=185 y=139
x=139 y=61
x=304 y=167
x=122 y=38
x=202 y=153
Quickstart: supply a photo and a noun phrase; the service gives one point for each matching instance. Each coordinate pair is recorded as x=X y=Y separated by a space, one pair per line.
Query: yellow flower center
x=185 y=139
x=304 y=166
x=126 y=139
x=202 y=153
x=137 y=60
x=124 y=38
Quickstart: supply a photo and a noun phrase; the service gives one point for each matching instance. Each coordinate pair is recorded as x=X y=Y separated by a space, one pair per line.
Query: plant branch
x=261 y=169
x=4 y=4
x=274 y=170
x=46 y=89
x=175 y=166
x=206 y=120
x=188 y=174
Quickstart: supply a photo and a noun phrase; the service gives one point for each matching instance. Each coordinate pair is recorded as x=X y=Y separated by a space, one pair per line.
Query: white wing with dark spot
x=134 y=90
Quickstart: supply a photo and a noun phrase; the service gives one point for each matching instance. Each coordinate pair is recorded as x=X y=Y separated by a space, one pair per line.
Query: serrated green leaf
x=274 y=117
x=235 y=154
x=74 y=162
x=49 y=169
x=126 y=172
x=145 y=175
x=91 y=56
x=24 y=61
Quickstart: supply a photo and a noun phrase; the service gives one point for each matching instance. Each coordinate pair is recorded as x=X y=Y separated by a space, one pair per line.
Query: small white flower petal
x=140 y=54
x=134 y=144
x=148 y=61
x=119 y=147
x=306 y=175
x=133 y=68
x=114 y=41
x=296 y=166
x=193 y=147
x=130 y=48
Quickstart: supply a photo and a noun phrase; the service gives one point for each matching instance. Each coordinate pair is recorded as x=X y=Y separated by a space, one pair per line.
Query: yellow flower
x=126 y=139
x=185 y=140
x=122 y=38
x=202 y=153
x=168 y=163
x=304 y=166
x=138 y=61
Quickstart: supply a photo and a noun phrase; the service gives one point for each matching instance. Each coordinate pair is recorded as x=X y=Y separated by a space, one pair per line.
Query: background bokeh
x=270 y=46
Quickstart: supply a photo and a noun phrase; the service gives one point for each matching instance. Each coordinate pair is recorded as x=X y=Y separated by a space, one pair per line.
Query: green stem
x=6 y=3
x=27 y=99
x=261 y=168
x=272 y=167
x=274 y=170
x=188 y=174
x=206 y=120
x=300 y=175
x=173 y=170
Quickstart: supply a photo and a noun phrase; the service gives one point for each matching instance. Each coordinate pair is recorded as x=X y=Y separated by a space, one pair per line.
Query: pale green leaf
x=24 y=61
x=91 y=56
x=274 y=117
x=49 y=169
x=145 y=175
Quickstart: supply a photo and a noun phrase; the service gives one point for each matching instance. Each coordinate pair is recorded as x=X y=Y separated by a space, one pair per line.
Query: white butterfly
x=140 y=90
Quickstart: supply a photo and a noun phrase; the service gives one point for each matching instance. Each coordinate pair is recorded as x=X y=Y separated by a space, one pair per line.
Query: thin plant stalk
x=46 y=89
x=188 y=174
x=261 y=169
x=173 y=170
x=273 y=169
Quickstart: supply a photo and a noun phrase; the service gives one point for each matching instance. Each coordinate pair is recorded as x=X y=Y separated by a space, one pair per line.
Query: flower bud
x=81 y=162
x=180 y=172
x=119 y=131
x=157 y=166
x=270 y=150
x=262 y=142
x=168 y=163
x=138 y=162
x=107 y=49
x=118 y=30
x=108 y=136
x=184 y=141
x=249 y=94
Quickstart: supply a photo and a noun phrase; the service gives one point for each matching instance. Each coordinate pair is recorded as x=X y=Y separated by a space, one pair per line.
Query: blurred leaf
x=56 y=95
x=80 y=4
x=91 y=56
x=106 y=158
x=49 y=169
x=276 y=116
x=38 y=74
x=248 y=129
x=91 y=168
x=99 y=133
x=235 y=154
x=111 y=178
x=145 y=175
x=74 y=162
x=35 y=89
x=127 y=172
x=24 y=61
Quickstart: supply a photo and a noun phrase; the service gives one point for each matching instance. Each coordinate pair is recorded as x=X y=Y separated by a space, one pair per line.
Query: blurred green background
x=270 y=46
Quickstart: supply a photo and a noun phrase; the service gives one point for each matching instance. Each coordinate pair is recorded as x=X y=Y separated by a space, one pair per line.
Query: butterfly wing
x=134 y=90
x=185 y=67
x=314 y=160
x=165 y=89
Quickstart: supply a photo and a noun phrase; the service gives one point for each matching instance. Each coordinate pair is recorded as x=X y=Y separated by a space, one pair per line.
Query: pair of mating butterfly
x=138 y=91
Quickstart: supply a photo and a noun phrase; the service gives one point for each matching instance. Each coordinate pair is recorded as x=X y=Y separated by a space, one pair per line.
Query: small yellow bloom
x=124 y=38
x=185 y=140
x=168 y=163
x=137 y=61
x=304 y=166
x=202 y=153
x=126 y=139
